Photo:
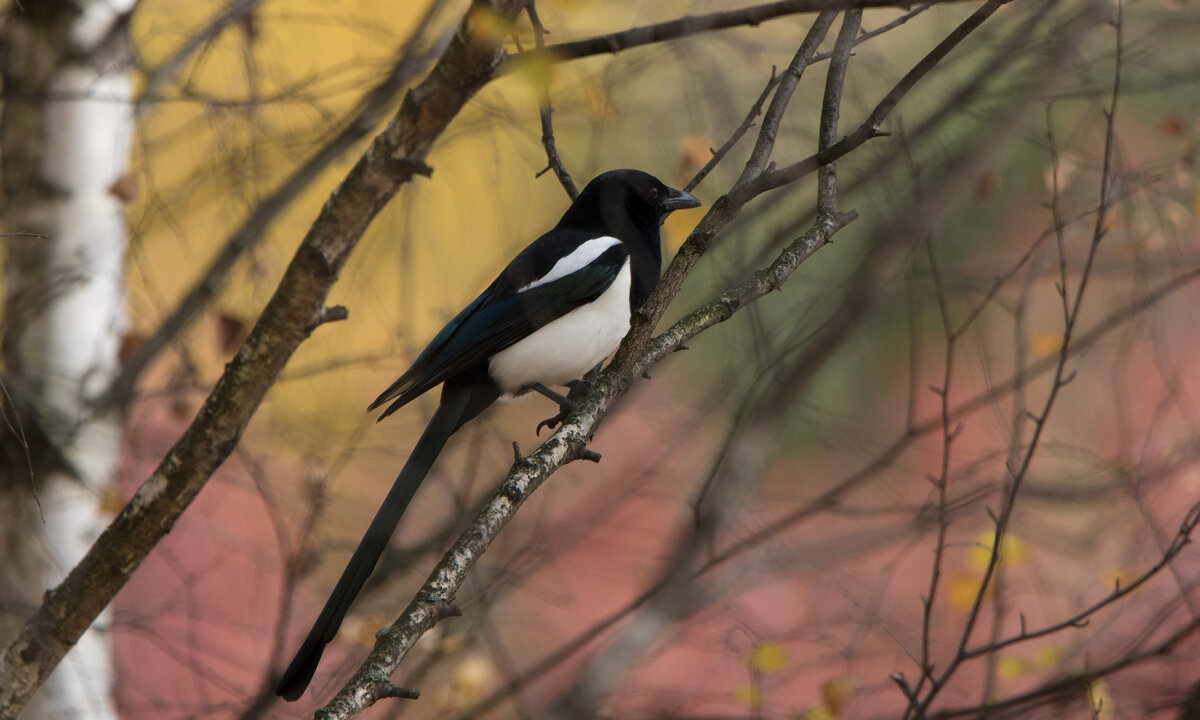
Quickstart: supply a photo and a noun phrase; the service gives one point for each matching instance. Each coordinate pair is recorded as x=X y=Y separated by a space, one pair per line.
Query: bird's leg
x=565 y=405
x=551 y=395
x=577 y=390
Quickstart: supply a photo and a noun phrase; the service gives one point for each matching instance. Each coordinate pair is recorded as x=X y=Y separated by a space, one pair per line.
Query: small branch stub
x=387 y=690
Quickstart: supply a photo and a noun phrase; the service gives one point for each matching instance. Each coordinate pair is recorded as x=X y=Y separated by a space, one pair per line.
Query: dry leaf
x=695 y=152
x=986 y=187
x=1172 y=124
x=131 y=342
x=1044 y=344
x=231 y=331
x=124 y=188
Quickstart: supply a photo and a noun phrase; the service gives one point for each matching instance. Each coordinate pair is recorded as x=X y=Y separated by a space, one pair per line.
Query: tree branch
x=544 y=113
x=695 y=24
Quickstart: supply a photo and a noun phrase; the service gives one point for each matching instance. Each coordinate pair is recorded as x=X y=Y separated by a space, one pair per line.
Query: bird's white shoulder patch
x=578 y=259
x=566 y=348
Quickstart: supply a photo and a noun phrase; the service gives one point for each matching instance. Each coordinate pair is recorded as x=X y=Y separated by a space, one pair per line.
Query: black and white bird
x=559 y=309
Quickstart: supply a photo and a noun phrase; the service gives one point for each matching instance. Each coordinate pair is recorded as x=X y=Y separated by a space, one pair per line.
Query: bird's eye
x=653 y=193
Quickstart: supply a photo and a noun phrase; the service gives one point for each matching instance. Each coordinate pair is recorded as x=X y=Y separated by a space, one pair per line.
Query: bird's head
x=618 y=199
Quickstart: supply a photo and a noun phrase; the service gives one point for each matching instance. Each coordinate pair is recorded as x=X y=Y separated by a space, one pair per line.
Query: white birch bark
x=68 y=124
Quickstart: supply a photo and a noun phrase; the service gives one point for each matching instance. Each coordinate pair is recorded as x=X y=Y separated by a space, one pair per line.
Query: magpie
x=555 y=312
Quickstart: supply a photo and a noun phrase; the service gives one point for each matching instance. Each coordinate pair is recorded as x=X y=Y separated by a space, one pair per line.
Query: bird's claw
x=551 y=422
x=577 y=390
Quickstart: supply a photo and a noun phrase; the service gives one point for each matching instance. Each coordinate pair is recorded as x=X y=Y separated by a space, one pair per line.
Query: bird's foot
x=577 y=390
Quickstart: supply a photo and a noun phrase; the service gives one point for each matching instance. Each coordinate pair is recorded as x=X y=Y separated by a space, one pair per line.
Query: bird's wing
x=501 y=316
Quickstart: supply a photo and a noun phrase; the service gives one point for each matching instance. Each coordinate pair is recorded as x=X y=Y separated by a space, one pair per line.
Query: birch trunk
x=66 y=133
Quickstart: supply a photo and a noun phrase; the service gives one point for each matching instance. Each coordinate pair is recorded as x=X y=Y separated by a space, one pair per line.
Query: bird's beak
x=677 y=200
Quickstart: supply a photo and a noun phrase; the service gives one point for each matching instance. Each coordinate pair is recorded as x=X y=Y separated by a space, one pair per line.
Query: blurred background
x=1007 y=335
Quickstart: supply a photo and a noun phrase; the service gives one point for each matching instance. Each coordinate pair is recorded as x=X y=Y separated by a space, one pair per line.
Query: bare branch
x=546 y=110
x=831 y=108
x=695 y=24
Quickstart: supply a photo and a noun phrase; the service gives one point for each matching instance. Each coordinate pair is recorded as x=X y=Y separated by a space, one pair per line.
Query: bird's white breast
x=566 y=348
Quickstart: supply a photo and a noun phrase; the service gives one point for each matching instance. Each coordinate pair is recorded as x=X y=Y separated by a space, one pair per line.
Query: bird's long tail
x=459 y=404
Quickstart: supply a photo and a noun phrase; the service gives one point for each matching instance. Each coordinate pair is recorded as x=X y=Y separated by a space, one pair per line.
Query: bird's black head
x=620 y=201
x=629 y=205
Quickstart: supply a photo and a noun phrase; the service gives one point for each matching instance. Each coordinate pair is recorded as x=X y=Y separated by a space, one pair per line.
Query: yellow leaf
x=535 y=70
x=472 y=680
x=1011 y=668
x=748 y=695
x=1012 y=551
x=837 y=692
x=485 y=27
x=1045 y=344
x=768 y=657
x=819 y=712
x=1100 y=698
x=1122 y=577
x=1049 y=656
x=961 y=588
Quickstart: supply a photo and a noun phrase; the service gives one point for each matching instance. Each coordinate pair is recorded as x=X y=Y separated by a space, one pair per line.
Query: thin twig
x=545 y=111
x=942 y=482
x=748 y=122
x=234 y=11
